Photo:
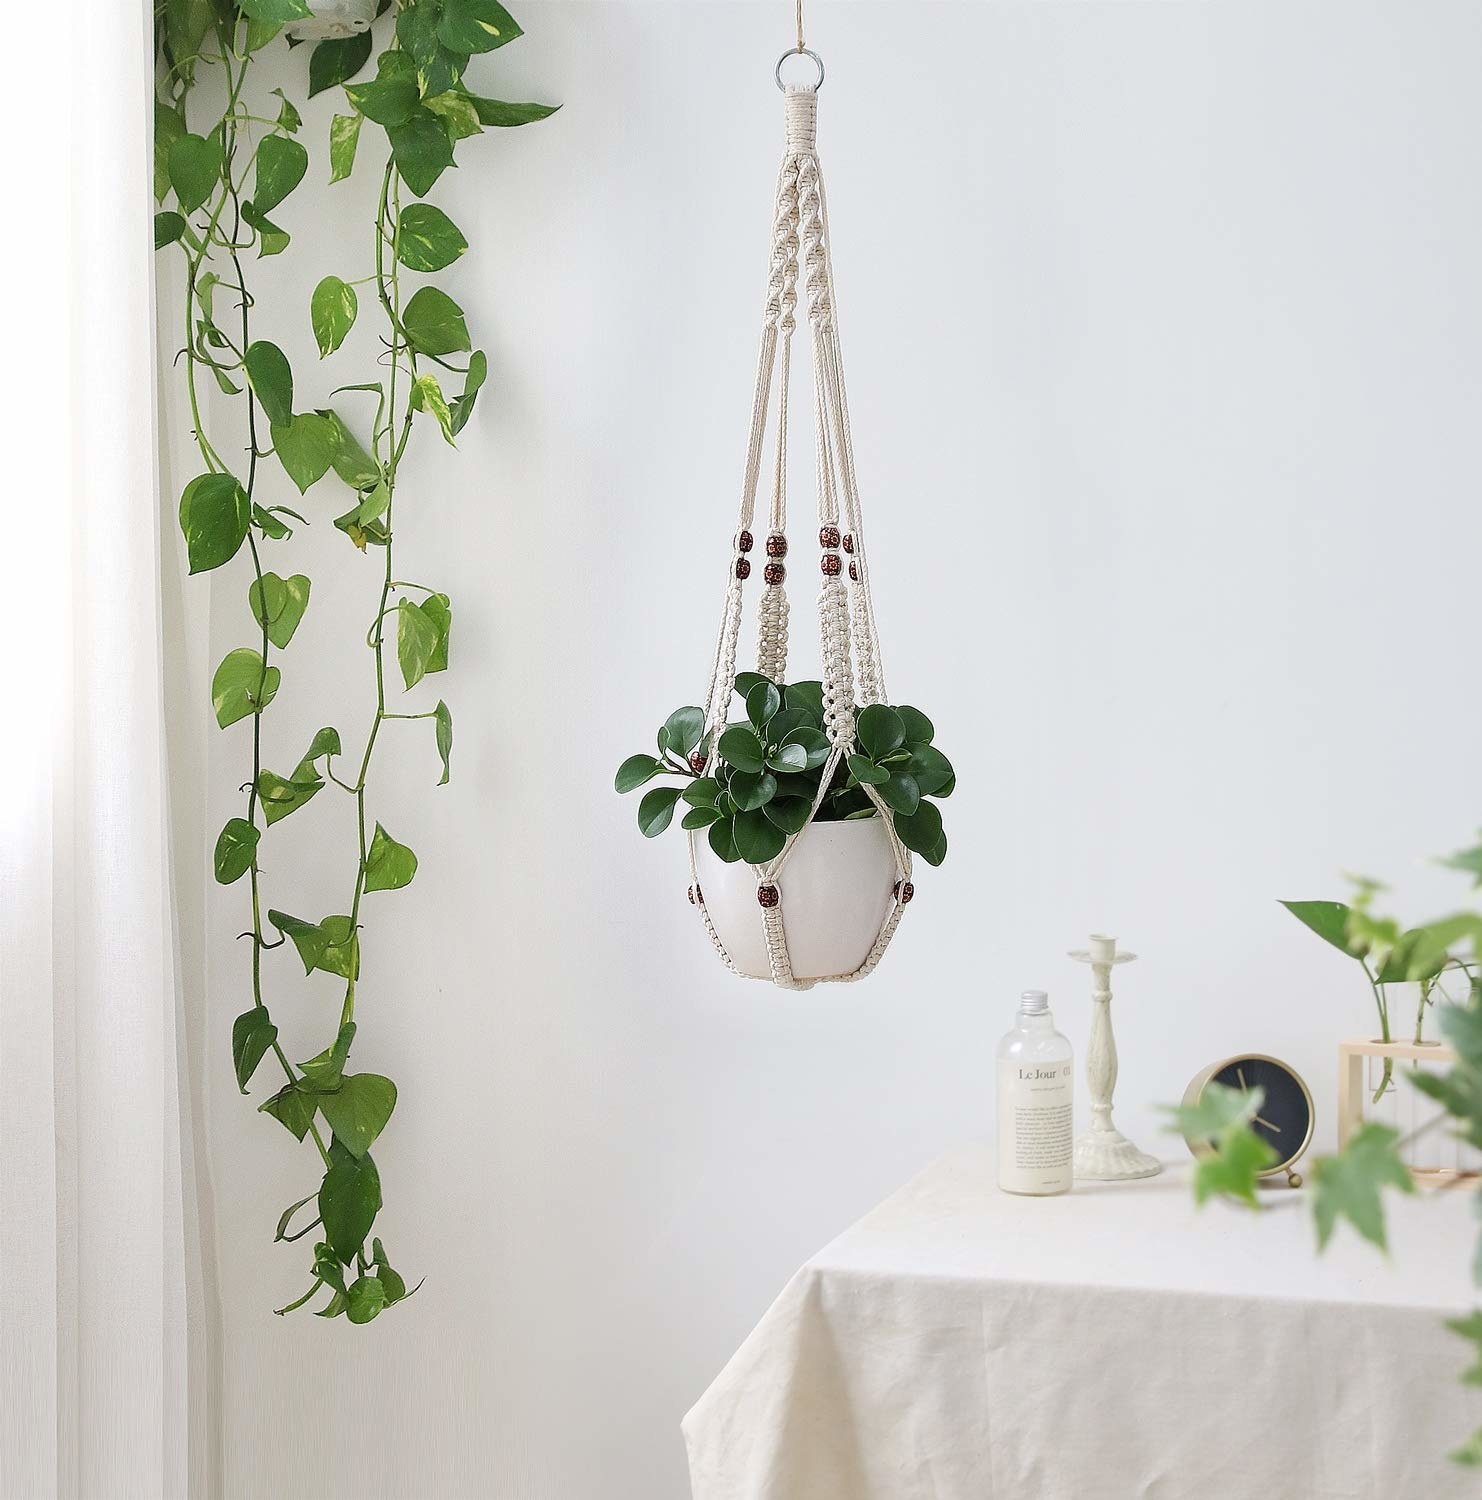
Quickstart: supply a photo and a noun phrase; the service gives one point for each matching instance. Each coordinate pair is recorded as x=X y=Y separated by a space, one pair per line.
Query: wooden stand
x=1353 y=1091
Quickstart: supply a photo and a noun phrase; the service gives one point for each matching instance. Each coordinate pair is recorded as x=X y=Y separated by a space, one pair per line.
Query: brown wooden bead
x=699 y=896
x=854 y=570
x=903 y=893
x=777 y=545
x=743 y=568
x=828 y=536
x=774 y=572
x=697 y=763
x=830 y=564
x=744 y=542
x=767 y=896
x=691 y=894
x=849 y=541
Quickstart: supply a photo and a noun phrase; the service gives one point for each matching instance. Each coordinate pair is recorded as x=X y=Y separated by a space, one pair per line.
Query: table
x=1111 y=1344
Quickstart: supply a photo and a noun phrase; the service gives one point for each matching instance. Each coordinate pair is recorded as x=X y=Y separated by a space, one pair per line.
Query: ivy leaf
x=358 y=1110
x=332 y=311
x=276 y=12
x=427 y=395
x=880 y=730
x=344 y=137
x=443 y=720
x=292 y=1107
x=427 y=239
x=434 y=322
x=1347 y=1185
x=168 y=227
x=387 y=101
x=271 y=378
x=349 y=1200
x=281 y=164
x=1218 y=1108
x=169 y=126
x=338 y=60
x=473 y=382
x=475 y=25
x=1233 y=1168
x=242 y=686
x=278 y=604
x=416 y=640
x=496 y=112
x=236 y=845
x=389 y=865
x=195 y=169
x=253 y=1033
x=214 y=516
x=422 y=150
x=656 y=810
x=288 y=117
x=280 y=796
x=364 y=1299
x=306 y=448
x=1328 y=919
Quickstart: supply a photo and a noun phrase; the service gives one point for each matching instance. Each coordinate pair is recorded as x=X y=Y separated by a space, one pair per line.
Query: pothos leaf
x=338 y=60
x=236 y=845
x=253 y=1033
x=242 y=685
x=416 y=640
x=358 y=1110
x=444 y=721
x=427 y=395
x=332 y=311
x=293 y=1107
x=344 y=137
x=214 y=516
x=1328 y=919
x=388 y=865
x=349 y=1200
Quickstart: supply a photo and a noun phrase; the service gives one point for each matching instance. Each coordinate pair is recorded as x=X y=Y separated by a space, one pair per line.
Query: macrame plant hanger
x=851 y=670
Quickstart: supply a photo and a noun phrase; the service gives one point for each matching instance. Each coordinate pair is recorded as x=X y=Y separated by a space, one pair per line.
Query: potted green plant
x=770 y=781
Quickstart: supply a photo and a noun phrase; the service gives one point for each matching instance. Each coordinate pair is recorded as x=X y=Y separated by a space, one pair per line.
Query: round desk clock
x=1286 y=1116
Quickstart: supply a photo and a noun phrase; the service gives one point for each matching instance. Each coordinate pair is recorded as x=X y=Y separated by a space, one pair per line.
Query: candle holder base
x=1108 y=1156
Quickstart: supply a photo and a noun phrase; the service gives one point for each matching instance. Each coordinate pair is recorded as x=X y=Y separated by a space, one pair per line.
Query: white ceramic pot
x=334 y=18
x=837 y=888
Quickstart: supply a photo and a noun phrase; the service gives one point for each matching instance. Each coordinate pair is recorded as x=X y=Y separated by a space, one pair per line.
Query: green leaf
x=349 y=1200
x=901 y=794
x=280 y=796
x=473 y=383
x=457 y=112
x=214 y=516
x=1469 y=1455
x=701 y=792
x=1346 y=1186
x=286 y=1218
x=267 y=520
x=444 y=722
x=288 y=116
x=752 y=789
x=1233 y=1168
x=416 y=31
x=685 y=728
x=722 y=838
x=434 y=322
x=338 y=60
x=740 y=748
x=422 y=150
x=328 y=945
x=276 y=12
x=186 y=25
x=259 y=34
x=387 y=101
x=344 y=137
x=880 y=730
x=278 y=604
x=919 y=729
x=439 y=609
x=427 y=239
x=332 y=311
x=271 y=239
x=758 y=838
x=788 y=758
x=281 y=164
x=195 y=169
x=325 y=1070
x=807 y=696
x=427 y=395
x=700 y=817
x=169 y=126
x=306 y=448
x=762 y=701
x=745 y=681
x=389 y=865
x=790 y=814
x=932 y=770
x=475 y=25
x=921 y=830
x=236 y=845
x=814 y=742
x=866 y=772
x=1469 y=860
x=241 y=686
x=496 y=112
x=271 y=379
x=937 y=853
x=168 y=227
x=1218 y=1108
x=635 y=771
x=1328 y=919
x=416 y=640
x=293 y=1107
x=358 y=1110
x=253 y=1033
x=656 y=810
x=1461 y=1025
x=365 y=1297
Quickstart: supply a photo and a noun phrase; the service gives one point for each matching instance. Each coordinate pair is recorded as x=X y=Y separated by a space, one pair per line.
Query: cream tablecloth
x=1112 y=1344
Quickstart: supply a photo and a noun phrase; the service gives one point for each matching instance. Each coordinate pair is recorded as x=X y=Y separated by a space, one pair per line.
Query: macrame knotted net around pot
x=836 y=888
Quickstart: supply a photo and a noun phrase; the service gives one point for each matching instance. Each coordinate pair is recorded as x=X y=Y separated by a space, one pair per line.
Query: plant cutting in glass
x=223 y=182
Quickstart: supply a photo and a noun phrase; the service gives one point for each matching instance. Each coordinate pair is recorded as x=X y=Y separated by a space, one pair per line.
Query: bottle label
x=1034 y=1126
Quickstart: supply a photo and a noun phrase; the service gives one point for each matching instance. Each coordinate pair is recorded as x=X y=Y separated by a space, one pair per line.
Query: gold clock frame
x=1196 y=1088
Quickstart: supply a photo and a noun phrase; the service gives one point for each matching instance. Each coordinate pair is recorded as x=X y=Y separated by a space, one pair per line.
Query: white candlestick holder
x=1103 y=1153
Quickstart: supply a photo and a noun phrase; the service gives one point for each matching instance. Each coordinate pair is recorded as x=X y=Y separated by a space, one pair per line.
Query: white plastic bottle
x=1035 y=1092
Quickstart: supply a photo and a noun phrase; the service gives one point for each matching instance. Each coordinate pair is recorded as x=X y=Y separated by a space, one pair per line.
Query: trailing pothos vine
x=220 y=184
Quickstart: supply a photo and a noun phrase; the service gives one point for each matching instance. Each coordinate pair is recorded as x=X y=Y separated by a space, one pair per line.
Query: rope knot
x=801 y=105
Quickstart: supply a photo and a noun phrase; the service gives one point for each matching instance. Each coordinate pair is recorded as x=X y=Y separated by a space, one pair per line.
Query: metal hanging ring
x=800 y=52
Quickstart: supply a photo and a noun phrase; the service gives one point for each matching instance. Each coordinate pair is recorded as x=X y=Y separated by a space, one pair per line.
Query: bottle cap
x=1033 y=1002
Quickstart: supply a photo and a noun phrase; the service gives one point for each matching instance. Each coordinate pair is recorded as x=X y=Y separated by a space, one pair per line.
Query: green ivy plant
x=1350 y=1184
x=222 y=183
x=768 y=771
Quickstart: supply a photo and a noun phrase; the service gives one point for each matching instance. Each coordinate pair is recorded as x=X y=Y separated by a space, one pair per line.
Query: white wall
x=1162 y=324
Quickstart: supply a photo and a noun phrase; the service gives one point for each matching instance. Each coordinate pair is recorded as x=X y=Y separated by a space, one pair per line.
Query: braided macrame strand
x=847 y=630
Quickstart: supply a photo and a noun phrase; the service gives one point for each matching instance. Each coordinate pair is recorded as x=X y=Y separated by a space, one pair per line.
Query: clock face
x=1284 y=1120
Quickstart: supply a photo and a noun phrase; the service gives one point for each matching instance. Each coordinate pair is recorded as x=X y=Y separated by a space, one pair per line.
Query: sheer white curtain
x=100 y=1303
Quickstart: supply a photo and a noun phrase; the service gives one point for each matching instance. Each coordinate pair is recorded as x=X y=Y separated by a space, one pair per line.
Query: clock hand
x=1240 y=1074
x=1261 y=1120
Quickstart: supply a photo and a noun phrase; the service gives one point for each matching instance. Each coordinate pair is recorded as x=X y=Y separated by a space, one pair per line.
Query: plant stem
x=1381 y=1000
